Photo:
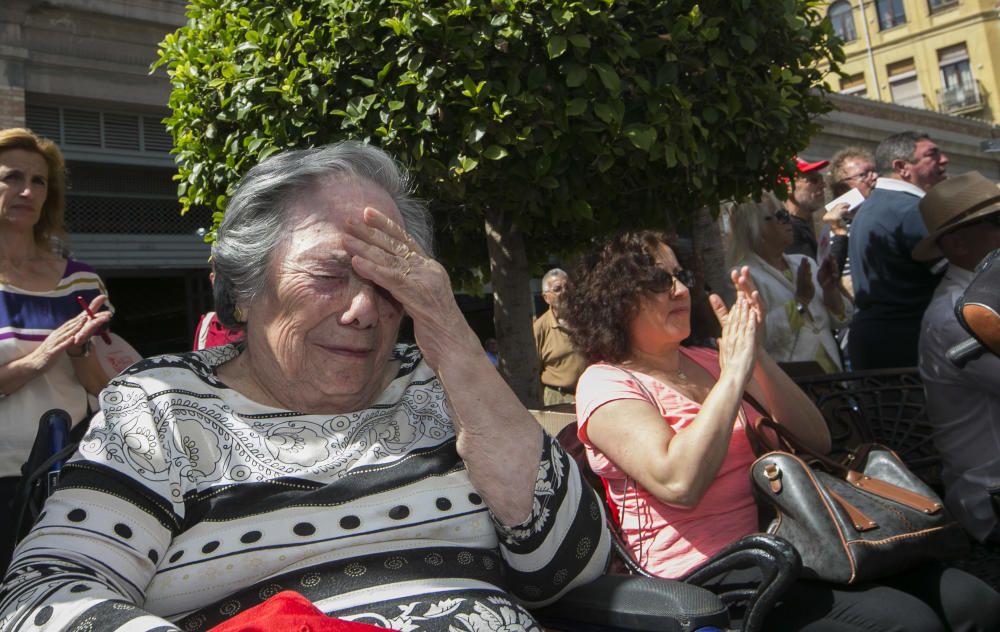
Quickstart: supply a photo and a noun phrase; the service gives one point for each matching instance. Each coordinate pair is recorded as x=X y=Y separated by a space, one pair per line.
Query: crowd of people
x=872 y=284
x=302 y=447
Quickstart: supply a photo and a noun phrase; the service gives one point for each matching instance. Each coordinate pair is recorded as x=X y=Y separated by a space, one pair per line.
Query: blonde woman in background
x=803 y=301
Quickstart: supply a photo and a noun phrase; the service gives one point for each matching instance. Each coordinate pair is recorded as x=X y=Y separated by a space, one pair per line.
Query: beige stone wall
x=860 y=121
x=11 y=106
x=83 y=52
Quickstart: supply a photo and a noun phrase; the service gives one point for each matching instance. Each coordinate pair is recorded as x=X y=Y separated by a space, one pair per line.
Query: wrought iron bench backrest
x=884 y=405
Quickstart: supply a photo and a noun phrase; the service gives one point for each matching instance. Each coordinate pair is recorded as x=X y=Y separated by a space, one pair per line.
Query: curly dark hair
x=603 y=292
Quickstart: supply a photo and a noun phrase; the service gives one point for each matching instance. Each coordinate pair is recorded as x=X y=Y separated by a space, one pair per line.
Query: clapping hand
x=75 y=332
x=743 y=326
x=828 y=274
x=805 y=290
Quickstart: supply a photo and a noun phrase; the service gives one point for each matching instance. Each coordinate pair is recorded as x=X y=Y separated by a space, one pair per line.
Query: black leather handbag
x=854 y=521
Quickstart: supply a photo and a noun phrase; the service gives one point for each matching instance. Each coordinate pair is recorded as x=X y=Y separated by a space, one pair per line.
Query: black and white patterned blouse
x=189 y=503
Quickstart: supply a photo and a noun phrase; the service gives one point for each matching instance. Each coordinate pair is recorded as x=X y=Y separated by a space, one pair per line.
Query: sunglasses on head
x=782 y=217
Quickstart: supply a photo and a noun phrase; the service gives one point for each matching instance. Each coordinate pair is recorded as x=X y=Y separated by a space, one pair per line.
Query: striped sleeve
x=564 y=543
x=88 y=560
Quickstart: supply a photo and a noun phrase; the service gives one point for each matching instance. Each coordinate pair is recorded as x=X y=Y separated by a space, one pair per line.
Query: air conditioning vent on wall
x=44 y=121
x=121 y=131
x=81 y=127
x=155 y=135
x=112 y=132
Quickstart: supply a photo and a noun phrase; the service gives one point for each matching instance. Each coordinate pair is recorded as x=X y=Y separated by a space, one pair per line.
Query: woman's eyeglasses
x=782 y=217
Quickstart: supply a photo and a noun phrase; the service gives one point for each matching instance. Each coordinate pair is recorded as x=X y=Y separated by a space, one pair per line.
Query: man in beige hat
x=962 y=215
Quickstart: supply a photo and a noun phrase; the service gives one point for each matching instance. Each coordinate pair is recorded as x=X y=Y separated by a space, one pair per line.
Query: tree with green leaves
x=530 y=125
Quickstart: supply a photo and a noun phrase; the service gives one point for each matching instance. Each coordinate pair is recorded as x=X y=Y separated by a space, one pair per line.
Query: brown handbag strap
x=858 y=479
x=886 y=489
x=797 y=446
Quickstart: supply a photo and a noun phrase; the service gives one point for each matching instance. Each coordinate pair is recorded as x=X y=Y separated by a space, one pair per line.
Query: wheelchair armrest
x=633 y=603
x=779 y=564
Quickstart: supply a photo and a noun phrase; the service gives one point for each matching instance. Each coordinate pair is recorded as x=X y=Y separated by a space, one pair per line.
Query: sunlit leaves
x=575 y=117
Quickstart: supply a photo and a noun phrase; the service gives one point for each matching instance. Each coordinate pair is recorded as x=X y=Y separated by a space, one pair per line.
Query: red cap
x=806 y=167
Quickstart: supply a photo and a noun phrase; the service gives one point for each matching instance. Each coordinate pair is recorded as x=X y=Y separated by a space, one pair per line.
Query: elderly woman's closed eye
x=395 y=484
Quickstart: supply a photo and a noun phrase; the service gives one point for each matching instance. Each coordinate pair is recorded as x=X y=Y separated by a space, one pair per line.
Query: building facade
x=861 y=122
x=78 y=72
x=938 y=55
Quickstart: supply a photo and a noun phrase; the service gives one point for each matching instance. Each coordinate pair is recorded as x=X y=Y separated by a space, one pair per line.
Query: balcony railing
x=962 y=98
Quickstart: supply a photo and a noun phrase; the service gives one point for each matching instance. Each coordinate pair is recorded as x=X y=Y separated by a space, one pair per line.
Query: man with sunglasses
x=806 y=195
x=891 y=288
x=963 y=403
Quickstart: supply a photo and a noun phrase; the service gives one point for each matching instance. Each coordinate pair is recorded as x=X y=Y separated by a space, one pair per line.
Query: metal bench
x=888 y=406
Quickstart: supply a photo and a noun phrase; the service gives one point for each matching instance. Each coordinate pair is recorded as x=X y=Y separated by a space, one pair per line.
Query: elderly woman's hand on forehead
x=385 y=254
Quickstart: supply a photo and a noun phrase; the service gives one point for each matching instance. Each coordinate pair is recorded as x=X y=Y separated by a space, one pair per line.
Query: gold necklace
x=681 y=376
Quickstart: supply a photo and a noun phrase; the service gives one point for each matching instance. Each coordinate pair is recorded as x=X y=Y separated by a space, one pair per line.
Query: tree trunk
x=708 y=243
x=512 y=307
x=711 y=276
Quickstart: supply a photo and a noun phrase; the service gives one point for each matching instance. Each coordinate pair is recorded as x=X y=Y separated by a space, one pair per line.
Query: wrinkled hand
x=385 y=254
x=75 y=332
x=804 y=288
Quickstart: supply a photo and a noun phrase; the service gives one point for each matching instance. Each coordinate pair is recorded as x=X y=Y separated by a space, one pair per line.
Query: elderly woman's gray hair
x=252 y=227
x=746 y=226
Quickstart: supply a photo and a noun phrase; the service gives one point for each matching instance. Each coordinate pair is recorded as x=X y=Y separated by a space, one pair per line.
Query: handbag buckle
x=773 y=474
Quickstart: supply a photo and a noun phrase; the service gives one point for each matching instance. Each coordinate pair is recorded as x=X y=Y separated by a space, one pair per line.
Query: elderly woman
x=805 y=302
x=664 y=425
x=398 y=485
x=45 y=359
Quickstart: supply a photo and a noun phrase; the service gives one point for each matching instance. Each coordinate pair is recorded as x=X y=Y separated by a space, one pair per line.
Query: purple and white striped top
x=26 y=319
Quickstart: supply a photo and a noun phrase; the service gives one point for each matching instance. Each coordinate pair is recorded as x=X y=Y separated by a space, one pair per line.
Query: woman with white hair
x=803 y=301
x=400 y=485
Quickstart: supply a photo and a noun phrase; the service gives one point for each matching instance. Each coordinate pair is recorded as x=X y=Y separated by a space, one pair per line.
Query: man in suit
x=891 y=289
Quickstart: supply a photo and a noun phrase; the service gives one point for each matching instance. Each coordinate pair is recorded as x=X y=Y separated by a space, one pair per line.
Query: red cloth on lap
x=288 y=611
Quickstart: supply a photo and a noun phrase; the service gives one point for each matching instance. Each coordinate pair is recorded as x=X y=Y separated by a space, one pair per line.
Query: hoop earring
x=239 y=314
